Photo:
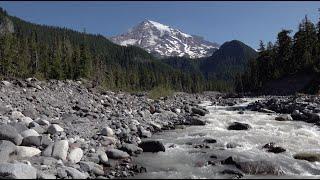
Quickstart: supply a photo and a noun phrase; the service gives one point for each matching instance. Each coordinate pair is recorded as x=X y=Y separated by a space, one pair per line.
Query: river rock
x=156 y=126
x=262 y=167
x=29 y=132
x=276 y=150
x=74 y=173
x=32 y=141
x=199 y=111
x=297 y=115
x=39 y=129
x=209 y=140
x=106 y=141
x=26 y=120
x=196 y=121
x=54 y=128
x=20 y=127
x=229 y=161
x=6 y=83
x=9 y=133
x=17 y=171
x=6 y=148
x=91 y=167
x=26 y=152
x=15 y=115
x=232 y=145
x=117 y=154
x=107 y=131
x=43 y=122
x=238 y=174
x=45 y=141
x=103 y=158
x=239 y=126
x=75 y=155
x=152 y=146
x=264 y=110
x=47 y=152
x=131 y=149
x=311 y=157
x=144 y=133
x=286 y=117
x=60 y=149
x=42 y=175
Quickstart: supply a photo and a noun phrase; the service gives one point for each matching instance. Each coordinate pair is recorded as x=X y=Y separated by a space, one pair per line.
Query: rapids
x=185 y=161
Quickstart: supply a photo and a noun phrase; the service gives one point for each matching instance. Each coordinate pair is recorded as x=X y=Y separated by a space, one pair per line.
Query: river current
x=182 y=160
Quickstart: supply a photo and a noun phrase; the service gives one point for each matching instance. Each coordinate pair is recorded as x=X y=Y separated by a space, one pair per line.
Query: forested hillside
x=47 y=52
x=221 y=69
x=289 y=58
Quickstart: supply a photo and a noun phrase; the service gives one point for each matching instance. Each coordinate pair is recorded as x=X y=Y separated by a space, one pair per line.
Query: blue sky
x=215 y=21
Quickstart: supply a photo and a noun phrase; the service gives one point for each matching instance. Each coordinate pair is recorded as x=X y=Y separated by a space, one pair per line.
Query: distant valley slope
x=231 y=58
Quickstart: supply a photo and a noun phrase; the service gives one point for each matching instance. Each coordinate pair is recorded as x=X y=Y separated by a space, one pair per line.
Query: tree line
x=48 y=52
x=289 y=55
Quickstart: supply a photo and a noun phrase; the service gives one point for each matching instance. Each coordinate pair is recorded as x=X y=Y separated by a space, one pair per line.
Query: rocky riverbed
x=67 y=129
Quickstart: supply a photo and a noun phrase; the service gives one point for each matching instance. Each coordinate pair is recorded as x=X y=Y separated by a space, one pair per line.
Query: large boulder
x=117 y=154
x=152 y=146
x=17 y=171
x=10 y=134
x=6 y=149
x=239 y=126
x=60 y=149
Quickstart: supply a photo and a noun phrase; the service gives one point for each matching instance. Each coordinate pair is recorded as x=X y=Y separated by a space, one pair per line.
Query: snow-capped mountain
x=165 y=41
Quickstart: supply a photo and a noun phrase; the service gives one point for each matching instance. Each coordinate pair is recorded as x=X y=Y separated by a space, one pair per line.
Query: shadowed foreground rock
x=152 y=146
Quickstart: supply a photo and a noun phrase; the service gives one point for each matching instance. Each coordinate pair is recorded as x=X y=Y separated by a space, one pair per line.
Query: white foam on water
x=294 y=136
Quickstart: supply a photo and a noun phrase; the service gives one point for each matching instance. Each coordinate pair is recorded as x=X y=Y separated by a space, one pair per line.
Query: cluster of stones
x=68 y=129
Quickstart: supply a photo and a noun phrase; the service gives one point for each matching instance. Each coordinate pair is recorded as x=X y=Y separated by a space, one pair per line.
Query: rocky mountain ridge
x=164 y=41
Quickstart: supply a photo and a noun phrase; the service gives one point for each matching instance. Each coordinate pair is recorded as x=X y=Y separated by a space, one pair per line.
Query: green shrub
x=160 y=91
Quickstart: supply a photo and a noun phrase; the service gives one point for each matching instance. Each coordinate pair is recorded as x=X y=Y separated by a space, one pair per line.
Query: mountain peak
x=163 y=40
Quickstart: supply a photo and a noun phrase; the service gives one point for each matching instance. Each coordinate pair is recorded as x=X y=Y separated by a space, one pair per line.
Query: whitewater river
x=185 y=161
